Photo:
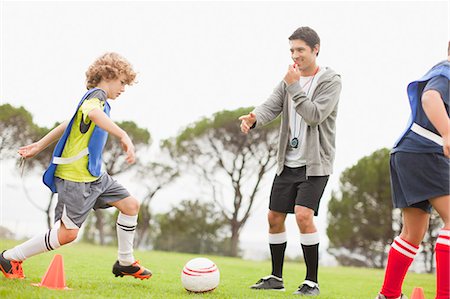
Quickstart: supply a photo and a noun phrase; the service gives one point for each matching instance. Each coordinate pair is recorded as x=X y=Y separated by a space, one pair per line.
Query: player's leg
x=309 y=241
x=307 y=206
x=442 y=205
x=282 y=201
x=403 y=250
x=277 y=241
x=412 y=177
x=11 y=260
x=126 y=228
x=277 y=245
x=114 y=194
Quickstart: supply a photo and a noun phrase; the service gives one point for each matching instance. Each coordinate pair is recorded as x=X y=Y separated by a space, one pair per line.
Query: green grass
x=88 y=274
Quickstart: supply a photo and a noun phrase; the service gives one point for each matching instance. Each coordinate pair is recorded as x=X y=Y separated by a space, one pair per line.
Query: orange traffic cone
x=417 y=293
x=54 y=277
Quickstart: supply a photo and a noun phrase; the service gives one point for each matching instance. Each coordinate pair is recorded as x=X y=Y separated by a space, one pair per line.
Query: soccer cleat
x=11 y=269
x=381 y=296
x=135 y=270
x=270 y=282
x=308 y=288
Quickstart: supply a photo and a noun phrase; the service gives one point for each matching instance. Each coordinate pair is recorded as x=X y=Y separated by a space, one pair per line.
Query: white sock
x=310 y=239
x=126 y=226
x=279 y=238
x=38 y=244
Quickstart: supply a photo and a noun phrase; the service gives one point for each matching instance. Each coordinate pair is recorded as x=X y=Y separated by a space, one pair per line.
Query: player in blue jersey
x=420 y=179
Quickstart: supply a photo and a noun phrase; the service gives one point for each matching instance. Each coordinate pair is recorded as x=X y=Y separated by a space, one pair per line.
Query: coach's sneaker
x=381 y=296
x=270 y=282
x=135 y=270
x=11 y=269
x=308 y=288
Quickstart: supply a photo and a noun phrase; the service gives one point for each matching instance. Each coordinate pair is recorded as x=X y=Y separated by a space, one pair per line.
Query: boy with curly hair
x=76 y=174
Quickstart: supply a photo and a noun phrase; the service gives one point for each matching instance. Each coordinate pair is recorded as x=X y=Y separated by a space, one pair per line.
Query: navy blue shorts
x=418 y=177
x=292 y=188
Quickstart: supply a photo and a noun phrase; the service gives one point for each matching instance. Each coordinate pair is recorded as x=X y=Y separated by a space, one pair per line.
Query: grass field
x=88 y=274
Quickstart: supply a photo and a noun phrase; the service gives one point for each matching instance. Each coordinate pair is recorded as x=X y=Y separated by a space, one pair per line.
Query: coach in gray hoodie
x=307 y=100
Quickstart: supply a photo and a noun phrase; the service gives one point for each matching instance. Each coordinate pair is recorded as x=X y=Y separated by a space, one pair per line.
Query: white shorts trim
x=66 y=220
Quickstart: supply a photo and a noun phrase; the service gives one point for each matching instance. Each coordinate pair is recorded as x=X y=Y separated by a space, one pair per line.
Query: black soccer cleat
x=11 y=269
x=308 y=288
x=270 y=282
x=135 y=270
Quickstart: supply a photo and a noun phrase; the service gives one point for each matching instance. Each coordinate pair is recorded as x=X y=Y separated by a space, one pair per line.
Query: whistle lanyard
x=294 y=141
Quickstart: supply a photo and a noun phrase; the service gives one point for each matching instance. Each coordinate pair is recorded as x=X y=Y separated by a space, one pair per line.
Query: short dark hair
x=308 y=35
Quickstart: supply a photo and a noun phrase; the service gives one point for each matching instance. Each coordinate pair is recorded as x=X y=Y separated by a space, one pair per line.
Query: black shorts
x=292 y=188
x=418 y=177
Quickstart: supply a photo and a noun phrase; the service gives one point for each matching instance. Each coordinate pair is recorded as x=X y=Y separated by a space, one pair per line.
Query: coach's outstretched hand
x=247 y=121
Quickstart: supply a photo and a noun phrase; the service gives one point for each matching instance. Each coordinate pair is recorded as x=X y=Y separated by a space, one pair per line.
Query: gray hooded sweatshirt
x=318 y=112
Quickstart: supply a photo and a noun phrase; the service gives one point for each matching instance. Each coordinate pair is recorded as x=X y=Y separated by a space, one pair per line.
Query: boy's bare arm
x=434 y=108
x=31 y=150
x=103 y=121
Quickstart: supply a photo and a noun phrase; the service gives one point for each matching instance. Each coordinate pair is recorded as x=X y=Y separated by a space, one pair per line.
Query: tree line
x=212 y=149
x=361 y=221
x=230 y=167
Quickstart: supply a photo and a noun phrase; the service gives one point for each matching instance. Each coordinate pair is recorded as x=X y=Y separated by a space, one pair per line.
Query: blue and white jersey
x=411 y=141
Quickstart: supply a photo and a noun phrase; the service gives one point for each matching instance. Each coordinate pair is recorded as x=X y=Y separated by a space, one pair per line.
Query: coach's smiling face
x=304 y=56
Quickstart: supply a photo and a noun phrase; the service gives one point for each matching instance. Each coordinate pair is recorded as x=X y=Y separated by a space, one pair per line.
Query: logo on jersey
x=83 y=126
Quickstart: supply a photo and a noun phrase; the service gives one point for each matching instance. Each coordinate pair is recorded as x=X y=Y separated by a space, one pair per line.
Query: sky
x=196 y=58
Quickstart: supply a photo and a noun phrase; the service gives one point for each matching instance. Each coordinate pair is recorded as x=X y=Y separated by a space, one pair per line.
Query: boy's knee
x=67 y=236
x=132 y=206
x=414 y=236
x=446 y=221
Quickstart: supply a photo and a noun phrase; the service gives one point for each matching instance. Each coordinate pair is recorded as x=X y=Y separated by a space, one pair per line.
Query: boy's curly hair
x=109 y=66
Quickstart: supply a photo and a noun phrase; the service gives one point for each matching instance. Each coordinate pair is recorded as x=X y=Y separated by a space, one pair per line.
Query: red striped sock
x=400 y=258
x=442 y=250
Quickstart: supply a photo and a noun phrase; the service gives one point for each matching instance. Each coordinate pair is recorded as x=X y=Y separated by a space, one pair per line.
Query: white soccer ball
x=200 y=275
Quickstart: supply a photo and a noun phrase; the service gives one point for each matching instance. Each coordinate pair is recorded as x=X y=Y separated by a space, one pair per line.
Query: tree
x=229 y=161
x=17 y=129
x=362 y=222
x=360 y=216
x=5 y=233
x=192 y=227
x=154 y=177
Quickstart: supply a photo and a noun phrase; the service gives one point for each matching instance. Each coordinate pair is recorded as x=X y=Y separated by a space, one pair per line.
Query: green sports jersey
x=78 y=140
